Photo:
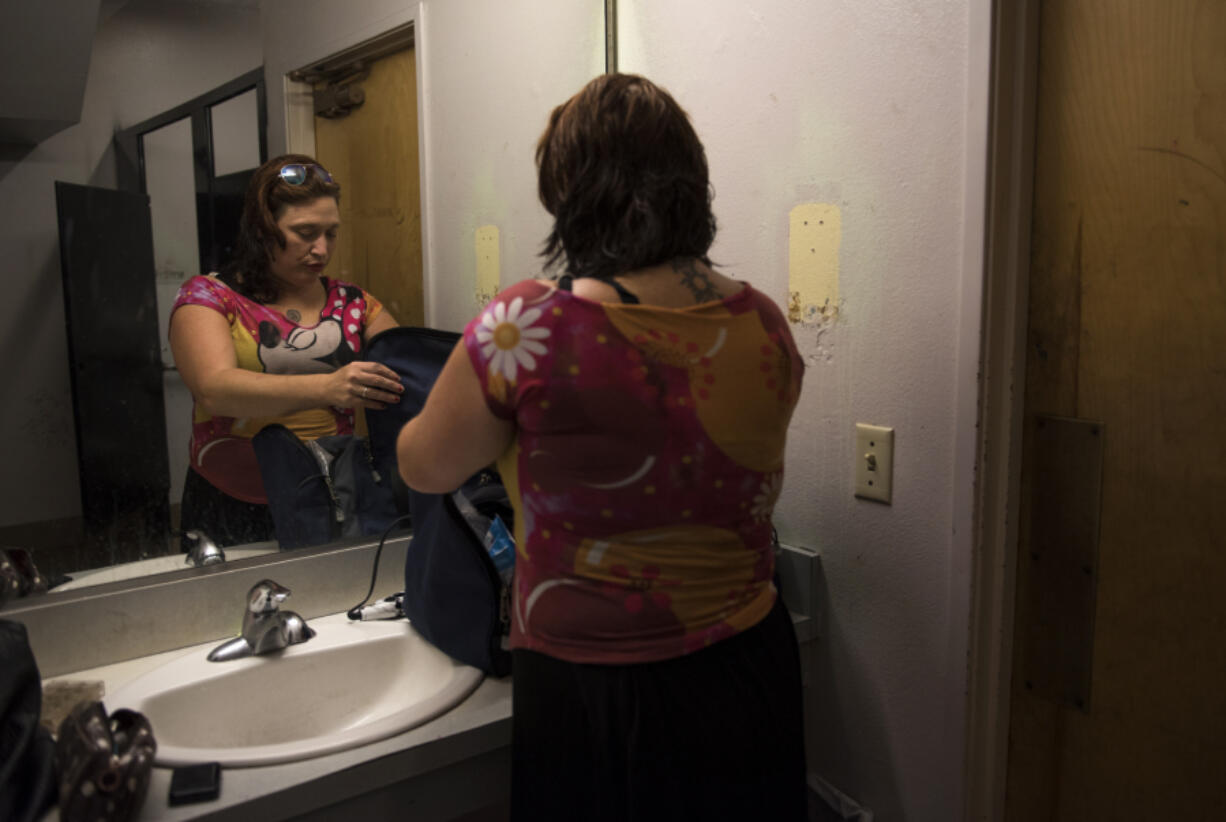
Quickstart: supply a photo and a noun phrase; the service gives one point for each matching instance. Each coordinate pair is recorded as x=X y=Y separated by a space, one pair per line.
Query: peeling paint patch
x=817 y=340
x=489 y=272
x=815 y=232
x=823 y=354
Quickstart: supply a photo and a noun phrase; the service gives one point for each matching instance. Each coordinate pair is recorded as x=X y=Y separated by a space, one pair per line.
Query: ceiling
x=44 y=67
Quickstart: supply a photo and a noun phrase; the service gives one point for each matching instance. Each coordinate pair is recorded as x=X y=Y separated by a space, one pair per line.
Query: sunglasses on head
x=296 y=173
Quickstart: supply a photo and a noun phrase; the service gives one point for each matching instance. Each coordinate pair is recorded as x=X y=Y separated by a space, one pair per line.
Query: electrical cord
x=355 y=613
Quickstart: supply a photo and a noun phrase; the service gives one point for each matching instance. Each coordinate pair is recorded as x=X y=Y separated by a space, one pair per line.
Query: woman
x=272 y=340
x=638 y=409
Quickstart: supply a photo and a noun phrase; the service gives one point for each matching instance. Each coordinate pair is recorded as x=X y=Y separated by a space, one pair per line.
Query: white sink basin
x=352 y=684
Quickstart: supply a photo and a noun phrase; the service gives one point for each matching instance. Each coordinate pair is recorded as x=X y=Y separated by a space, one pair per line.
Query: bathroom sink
x=352 y=684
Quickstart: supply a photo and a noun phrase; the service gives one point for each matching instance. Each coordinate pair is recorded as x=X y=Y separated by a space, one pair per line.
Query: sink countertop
x=478 y=725
x=154 y=565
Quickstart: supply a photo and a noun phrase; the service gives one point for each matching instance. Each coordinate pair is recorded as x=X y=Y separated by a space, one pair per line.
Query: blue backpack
x=323 y=490
x=347 y=486
x=453 y=594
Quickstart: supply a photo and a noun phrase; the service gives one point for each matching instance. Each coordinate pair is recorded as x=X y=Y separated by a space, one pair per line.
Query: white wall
x=148 y=57
x=494 y=72
x=869 y=107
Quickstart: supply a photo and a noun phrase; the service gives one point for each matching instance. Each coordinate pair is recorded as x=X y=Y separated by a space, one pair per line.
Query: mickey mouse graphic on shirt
x=318 y=349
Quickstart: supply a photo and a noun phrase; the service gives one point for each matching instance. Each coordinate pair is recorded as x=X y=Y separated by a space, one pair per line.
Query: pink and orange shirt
x=647 y=461
x=266 y=341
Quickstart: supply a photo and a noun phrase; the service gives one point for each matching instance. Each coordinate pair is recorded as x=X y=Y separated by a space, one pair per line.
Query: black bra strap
x=566 y=282
x=626 y=296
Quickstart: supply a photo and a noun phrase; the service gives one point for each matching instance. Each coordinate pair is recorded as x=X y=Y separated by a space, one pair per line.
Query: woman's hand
x=363 y=385
x=204 y=353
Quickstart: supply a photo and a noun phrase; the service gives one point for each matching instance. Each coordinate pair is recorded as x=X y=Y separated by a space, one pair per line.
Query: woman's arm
x=455 y=435
x=204 y=354
x=383 y=322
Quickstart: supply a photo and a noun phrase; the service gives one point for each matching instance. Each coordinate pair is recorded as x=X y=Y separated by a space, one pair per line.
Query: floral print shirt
x=266 y=341
x=647 y=460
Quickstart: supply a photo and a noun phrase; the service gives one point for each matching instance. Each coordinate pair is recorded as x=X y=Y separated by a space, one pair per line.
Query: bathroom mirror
x=487 y=76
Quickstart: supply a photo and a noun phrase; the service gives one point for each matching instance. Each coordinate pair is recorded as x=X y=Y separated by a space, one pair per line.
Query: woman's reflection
x=272 y=340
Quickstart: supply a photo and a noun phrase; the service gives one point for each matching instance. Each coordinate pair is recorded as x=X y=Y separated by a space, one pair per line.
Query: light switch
x=874 y=462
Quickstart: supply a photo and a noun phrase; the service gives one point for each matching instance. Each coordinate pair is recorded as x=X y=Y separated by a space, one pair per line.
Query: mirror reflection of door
x=371 y=150
x=372 y=153
x=109 y=301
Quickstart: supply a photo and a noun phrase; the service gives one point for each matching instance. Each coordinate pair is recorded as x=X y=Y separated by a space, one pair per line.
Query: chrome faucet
x=265 y=627
x=203 y=551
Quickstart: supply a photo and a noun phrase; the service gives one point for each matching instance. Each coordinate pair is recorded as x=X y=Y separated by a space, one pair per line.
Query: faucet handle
x=203 y=551
x=278 y=631
x=266 y=596
x=296 y=629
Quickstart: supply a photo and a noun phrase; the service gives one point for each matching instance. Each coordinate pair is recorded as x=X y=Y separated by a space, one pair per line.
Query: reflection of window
x=171 y=187
x=227 y=128
x=236 y=134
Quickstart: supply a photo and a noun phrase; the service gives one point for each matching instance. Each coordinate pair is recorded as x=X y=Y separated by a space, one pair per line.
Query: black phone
x=195 y=783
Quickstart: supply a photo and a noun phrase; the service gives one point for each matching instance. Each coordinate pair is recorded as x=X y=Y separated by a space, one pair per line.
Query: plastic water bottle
x=501 y=547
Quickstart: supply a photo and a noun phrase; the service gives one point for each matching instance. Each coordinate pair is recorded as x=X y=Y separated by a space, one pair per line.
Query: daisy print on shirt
x=509 y=339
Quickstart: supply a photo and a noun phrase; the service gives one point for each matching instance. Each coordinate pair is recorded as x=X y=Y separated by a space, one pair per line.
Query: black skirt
x=717 y=734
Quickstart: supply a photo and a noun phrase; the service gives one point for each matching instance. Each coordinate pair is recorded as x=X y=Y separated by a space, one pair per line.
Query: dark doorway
x=106 y=258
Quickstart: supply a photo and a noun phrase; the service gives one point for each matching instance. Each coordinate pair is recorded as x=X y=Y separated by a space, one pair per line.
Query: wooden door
x=1127 y=327
x=372 y=153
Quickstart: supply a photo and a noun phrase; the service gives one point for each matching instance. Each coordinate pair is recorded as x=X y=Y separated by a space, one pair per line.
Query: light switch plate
x=874 y=459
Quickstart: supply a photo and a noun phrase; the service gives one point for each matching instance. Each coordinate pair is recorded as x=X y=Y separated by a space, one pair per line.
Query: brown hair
x=266 y=199
x=625 y=177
